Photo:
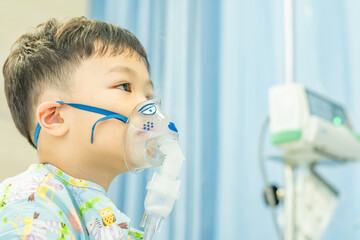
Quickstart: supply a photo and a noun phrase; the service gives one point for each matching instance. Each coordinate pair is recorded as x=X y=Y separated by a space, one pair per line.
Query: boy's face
x=116 y=83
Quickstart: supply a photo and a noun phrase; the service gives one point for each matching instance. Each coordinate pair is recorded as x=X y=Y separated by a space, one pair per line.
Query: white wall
x=16 y=18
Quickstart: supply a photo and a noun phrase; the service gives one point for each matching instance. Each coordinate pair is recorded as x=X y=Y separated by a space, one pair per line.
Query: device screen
x=326 y=109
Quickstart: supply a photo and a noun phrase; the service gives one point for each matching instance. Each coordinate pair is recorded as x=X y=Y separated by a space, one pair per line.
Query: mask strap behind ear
x=107 y=113
x=36 y=135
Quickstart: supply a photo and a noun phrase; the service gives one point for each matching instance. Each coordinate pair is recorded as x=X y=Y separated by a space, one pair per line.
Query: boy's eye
x=124 y=87
x=149 y=97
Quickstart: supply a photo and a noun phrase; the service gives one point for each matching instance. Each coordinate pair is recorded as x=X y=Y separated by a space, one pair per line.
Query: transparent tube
x=152 y=225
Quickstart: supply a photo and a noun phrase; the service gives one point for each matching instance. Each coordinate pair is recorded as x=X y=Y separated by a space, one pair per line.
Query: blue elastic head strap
x=108 y=115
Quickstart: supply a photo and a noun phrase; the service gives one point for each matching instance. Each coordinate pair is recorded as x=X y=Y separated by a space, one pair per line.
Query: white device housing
x=309 y=127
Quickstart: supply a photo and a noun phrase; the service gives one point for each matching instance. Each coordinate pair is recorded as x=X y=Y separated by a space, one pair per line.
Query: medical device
x=163 y=190
x=310 y=129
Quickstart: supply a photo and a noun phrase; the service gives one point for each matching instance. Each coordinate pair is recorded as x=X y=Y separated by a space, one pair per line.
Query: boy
x=80 y=61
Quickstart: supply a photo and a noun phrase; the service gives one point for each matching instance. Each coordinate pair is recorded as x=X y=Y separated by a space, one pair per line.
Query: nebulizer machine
x=150 y=140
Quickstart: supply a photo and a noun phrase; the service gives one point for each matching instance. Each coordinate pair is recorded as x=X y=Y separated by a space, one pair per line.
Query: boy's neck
x=79 y=168
x=92 y=175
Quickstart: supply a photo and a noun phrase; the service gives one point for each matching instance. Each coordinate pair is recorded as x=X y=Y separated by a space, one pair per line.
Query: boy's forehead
x=122 y=63
x=131 y=65
x=131 y=71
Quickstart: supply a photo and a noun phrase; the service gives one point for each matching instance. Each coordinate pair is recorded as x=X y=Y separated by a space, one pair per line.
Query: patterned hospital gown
x=46 y=203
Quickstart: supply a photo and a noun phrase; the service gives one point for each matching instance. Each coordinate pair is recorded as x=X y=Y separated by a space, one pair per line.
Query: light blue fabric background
x=212 y=64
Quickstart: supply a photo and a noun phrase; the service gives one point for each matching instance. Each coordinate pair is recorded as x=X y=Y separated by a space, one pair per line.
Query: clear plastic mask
x=146 y=130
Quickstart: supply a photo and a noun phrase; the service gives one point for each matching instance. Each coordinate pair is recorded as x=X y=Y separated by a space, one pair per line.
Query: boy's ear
x=50 y=118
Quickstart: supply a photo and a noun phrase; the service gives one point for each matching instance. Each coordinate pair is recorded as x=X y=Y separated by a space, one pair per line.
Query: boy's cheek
x=81 y=124
x=107 y=148
x=107 y=139
x=110 y=135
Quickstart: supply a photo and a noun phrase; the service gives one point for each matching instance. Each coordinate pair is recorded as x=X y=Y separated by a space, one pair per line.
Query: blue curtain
x=212 y=64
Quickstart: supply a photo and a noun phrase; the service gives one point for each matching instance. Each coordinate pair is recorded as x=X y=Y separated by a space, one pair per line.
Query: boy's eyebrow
x=120 y=68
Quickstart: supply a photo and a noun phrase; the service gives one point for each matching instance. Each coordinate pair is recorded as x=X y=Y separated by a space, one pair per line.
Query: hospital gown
x=46 y=203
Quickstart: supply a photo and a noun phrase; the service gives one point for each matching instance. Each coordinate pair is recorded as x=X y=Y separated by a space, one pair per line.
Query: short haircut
x=48 y=56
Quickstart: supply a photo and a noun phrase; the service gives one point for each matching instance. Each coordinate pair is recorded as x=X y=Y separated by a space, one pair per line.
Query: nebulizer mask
x=150 y=140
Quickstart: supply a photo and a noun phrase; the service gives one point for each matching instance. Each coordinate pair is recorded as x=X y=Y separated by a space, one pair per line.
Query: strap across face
x=108 y=115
